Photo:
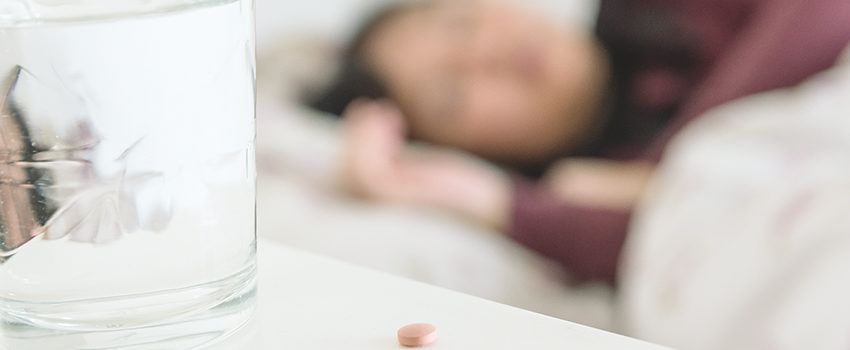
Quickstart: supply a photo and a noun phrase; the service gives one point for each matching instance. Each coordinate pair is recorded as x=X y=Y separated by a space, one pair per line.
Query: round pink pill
x=417 y=334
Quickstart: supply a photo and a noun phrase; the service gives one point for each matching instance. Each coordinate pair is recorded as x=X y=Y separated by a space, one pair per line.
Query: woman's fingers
x=374 y=142
x=379 y=164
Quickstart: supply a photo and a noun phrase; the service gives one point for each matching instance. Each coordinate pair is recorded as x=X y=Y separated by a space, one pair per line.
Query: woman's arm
x=578 y=216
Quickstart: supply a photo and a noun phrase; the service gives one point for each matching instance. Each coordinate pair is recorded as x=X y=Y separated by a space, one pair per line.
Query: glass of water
x=127 y=177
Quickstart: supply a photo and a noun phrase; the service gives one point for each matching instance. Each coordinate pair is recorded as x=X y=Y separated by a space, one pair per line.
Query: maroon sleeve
x=585 y=241
x=783 y=43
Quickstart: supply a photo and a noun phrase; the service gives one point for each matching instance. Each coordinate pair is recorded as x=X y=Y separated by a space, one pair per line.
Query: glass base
x=190 y=331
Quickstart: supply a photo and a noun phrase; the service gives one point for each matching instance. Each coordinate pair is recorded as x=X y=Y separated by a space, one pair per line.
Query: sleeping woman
x=549 y=133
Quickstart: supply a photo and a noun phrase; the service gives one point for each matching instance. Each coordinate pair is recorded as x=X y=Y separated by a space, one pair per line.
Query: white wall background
x=335 y=19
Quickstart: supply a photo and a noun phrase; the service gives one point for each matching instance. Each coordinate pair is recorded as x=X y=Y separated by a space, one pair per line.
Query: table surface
x=310 y=302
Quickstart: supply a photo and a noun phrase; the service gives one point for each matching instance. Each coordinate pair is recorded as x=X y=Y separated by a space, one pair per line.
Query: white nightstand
x=311 y=302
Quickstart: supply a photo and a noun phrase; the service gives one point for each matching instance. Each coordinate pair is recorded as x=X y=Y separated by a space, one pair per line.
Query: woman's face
x=490 y=78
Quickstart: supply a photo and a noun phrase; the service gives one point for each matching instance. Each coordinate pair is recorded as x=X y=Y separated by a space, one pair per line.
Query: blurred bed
x=757 y=286
x=300 y=204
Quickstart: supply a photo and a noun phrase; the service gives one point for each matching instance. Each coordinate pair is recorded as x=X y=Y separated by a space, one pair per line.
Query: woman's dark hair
x=355 y=78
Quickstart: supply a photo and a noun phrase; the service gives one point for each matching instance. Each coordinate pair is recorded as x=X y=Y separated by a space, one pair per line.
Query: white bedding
x=743 y=241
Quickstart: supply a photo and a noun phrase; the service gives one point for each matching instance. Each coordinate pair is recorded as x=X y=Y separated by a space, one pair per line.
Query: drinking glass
x=127 y=176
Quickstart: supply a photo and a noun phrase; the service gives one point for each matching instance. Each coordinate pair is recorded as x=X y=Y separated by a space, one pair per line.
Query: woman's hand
x=378 y=164
x=599 y=182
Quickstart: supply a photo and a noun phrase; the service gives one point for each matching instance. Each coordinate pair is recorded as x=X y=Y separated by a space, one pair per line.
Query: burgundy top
x=734 y=48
